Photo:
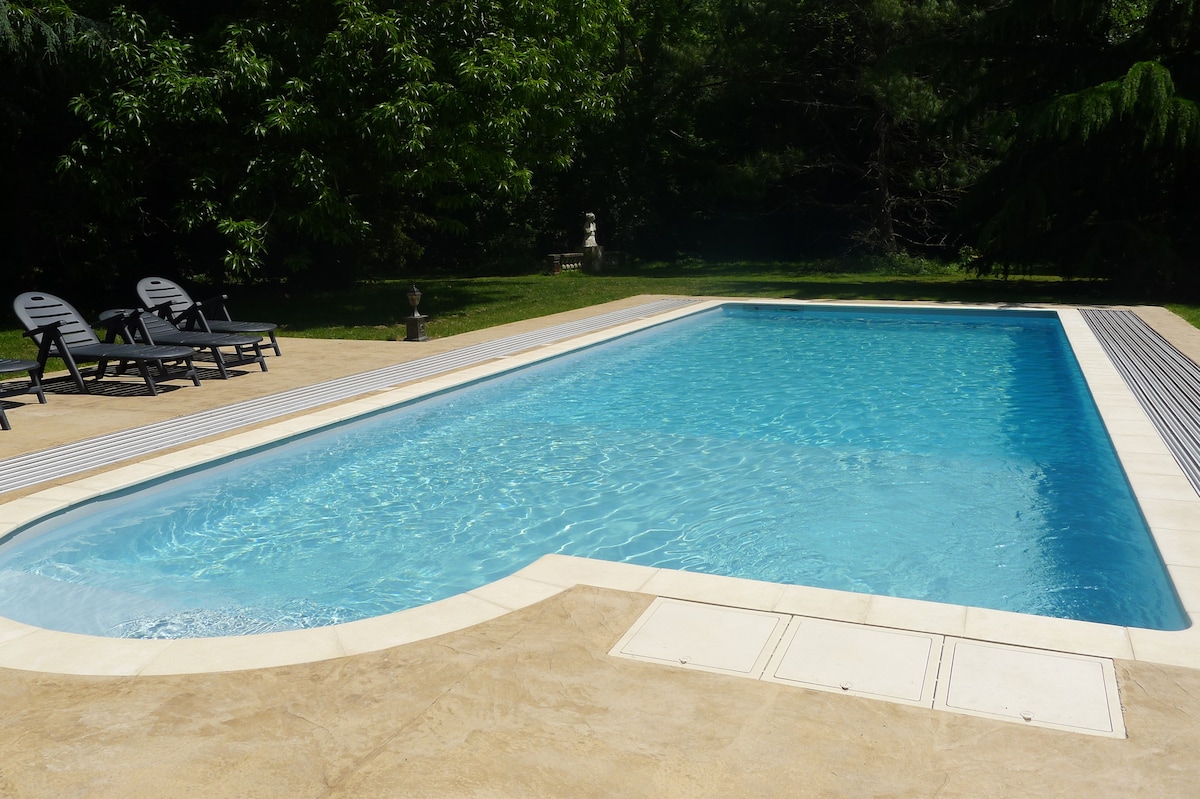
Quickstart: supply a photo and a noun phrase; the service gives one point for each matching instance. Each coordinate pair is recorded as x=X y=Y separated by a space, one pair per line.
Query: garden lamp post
x=415 y=323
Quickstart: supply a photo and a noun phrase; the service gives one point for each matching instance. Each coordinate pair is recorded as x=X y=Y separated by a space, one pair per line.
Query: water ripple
x=952 y=461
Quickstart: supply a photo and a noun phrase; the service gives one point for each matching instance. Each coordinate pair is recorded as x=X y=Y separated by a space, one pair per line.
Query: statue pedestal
x=415 y=328
x=593 y=258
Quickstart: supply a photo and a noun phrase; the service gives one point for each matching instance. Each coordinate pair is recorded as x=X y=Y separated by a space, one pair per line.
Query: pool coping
x=1169 y=503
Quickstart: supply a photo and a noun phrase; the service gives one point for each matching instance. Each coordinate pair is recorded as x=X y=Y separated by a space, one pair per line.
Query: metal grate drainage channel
x=1165 y=381
x=49 y=464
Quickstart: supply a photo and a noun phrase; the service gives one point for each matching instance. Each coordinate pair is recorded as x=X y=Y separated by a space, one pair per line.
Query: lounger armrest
x=117 y=316
x=122 y=322
x=163 y=309
x=190 y=318
x=40 y=329
x=217 y=302
x=45 y=336
x=50 y=330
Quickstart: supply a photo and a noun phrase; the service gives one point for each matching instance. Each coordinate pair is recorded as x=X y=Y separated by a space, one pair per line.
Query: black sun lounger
x=61 y=331
x=10 y=366
x=143 y=327
x=159 y=295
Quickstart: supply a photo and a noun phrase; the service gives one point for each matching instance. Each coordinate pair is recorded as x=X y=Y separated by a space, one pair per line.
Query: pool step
x=1165 y=381
x=50 y=464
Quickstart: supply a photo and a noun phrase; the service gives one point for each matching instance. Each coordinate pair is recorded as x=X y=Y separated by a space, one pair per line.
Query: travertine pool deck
x=529 y=702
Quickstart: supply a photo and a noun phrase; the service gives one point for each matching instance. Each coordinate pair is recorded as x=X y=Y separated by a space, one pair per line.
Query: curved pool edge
x=27 y=648
x=1172 y=513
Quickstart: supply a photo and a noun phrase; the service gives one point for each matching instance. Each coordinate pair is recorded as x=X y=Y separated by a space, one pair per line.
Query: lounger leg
x=191 y=371
x=219 y=360
x=258 y=356
x=149 y=378
x=275 y=344
x=35 y=385
x=52 y=340
x=4 y=425
x=73 y=368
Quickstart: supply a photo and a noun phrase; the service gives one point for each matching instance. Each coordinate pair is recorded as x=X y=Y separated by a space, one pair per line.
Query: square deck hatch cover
x=1045 y=689
x=855 y=659
x=705 y=637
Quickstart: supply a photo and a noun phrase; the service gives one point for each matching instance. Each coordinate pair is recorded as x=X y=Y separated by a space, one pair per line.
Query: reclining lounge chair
x=143 y=327
x=10 y=366
x=60 y=331
x=159 y=294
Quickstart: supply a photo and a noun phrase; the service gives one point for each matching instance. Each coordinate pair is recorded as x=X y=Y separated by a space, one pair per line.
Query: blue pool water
x=952 y=457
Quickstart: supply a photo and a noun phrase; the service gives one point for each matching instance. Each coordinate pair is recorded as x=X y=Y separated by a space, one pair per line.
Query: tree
x=1094 y=105
x=779 y=127
x=38 y=42
x=252 y=139
x=842 y=103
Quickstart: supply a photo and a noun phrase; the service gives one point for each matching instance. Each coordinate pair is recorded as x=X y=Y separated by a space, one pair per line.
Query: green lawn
x=375 y=310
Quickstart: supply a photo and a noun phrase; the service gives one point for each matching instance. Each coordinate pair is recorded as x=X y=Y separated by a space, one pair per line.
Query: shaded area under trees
x=320 y=140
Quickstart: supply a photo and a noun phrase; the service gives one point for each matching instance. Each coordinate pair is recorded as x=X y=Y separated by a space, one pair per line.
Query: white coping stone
x=1135 y=444
x=68 y=653
x=916 y=614
x=1048 y=689
x=1187 y=585
x=803 y=600
x=416 y=624
x=132 y=475
x=1129 y=415
x=565 y=571
x=855 y=659
x=10 y=630
x=1174 y=514
x=1150 y=462
x=1141 y=454
x=1164 y=486
x=1180 y=648
x=26 y=509
x=237 y=653
x=1178 y=547
x=1045 y=632
x=516 y=591
x=703 y=637
x=722 y=590
x=71 y=493
x=191 y=456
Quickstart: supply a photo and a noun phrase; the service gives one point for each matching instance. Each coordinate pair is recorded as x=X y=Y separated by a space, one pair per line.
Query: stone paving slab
x=530 y=705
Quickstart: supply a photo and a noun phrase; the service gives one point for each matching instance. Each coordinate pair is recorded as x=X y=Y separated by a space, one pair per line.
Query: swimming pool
x=946 y=407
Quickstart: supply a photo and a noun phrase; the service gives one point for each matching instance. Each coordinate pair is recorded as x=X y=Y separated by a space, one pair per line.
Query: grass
x=376 y=310
x=1189 y=312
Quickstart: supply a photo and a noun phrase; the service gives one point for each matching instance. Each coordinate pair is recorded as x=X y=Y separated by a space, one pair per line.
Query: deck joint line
x=62 y=461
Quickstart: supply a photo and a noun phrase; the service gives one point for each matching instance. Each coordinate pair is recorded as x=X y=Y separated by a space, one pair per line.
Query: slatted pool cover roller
x=1164 y=380
x=50 y=464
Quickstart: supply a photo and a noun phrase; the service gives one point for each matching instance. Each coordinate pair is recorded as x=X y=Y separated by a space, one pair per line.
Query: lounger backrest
x=35 y=309
x=155 y=325
x=154 y=291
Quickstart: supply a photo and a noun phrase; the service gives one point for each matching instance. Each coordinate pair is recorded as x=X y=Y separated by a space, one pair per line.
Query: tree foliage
x=338 y=138
x=253 y=138
x=780 y=126
x=1094 y=105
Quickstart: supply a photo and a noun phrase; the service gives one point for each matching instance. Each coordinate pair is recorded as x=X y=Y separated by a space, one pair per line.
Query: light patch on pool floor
x=1035 y=687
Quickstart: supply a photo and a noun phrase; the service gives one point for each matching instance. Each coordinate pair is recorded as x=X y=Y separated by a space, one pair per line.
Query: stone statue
x=593 y=253
x=589 y=231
